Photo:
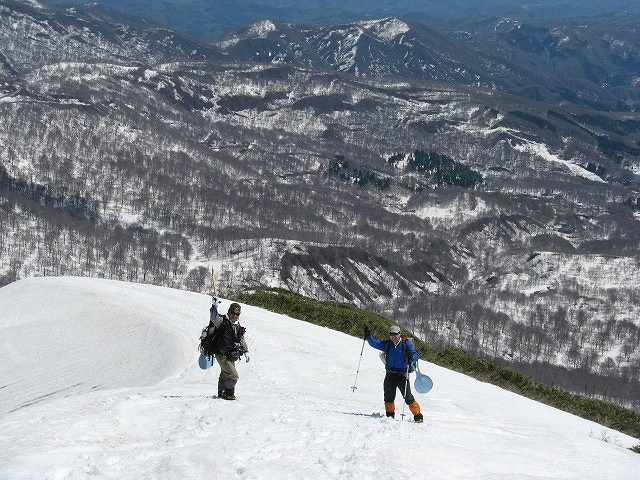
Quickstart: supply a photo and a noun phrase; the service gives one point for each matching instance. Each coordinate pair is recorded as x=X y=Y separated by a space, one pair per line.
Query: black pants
x=393 y=381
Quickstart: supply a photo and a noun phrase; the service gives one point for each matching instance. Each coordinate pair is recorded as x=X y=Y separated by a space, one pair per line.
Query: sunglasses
x=394 y=334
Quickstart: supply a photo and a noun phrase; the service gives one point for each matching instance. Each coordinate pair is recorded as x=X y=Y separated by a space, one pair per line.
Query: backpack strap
x=407 y=353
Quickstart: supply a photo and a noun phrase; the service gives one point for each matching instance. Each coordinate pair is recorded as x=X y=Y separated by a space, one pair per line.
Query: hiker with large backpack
x=400 y=356
x=224 y=339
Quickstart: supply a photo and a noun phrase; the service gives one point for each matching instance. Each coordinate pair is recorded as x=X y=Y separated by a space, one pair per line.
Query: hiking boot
x=418 y=418
x=228 y=396
x=390 y=409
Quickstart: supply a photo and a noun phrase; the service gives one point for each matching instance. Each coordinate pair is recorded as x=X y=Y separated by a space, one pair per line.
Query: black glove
x=367 y=332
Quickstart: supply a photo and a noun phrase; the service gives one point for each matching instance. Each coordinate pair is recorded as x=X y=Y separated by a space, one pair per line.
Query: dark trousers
x=393 y=381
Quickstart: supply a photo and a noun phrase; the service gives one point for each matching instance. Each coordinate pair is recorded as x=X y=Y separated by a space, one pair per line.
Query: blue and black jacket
x=398 y=356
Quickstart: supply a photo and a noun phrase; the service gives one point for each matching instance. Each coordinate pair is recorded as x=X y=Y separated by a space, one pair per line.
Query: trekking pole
x=213 y=283
x=358 y=370
x=406 y=386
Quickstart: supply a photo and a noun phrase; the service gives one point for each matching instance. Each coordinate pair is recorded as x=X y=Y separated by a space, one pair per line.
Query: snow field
x=133 y=404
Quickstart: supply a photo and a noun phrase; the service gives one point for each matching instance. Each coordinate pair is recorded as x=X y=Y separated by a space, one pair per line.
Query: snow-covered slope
x=99 y=378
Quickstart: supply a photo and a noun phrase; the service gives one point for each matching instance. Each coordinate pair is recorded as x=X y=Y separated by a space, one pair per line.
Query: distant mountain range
x=207 y=19
x=581 y=65
x=483 y=200
x=584 y=54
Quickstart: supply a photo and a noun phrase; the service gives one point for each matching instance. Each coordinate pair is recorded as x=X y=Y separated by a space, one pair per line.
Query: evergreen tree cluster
x=435 y=169
x=442 y=171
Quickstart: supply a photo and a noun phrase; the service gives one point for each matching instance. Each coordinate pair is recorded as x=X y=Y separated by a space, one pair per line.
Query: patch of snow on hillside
x=543 y=152
x=255 y=30
x=149 y=74
x=386 y=29
x=261 y=29
x=35 y=4
x=460 y=210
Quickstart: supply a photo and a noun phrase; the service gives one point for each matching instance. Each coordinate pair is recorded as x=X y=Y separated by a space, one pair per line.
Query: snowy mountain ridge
x=113 y=390
x=387 y=28
x=593 y=65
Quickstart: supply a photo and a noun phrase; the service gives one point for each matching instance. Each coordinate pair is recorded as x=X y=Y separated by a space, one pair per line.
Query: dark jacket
x=229 y=336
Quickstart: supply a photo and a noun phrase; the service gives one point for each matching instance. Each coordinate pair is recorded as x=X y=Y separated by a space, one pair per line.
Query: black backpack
x=209 y=334
x=208 y=340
